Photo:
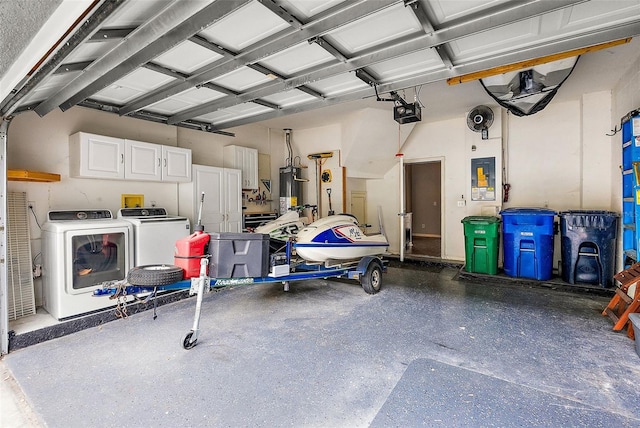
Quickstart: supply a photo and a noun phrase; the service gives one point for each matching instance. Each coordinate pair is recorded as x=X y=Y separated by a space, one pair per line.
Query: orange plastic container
x=188 y=252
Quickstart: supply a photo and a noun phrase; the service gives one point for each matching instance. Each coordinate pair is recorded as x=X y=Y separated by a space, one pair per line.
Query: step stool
x=621 y=305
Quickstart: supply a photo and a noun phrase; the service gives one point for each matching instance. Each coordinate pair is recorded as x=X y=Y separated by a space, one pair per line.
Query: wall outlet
x=37 y=271
x=31 y=204
x=461 y=203
x=422 y=225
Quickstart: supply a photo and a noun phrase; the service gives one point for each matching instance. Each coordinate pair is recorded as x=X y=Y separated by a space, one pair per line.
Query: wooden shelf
x=36 y=176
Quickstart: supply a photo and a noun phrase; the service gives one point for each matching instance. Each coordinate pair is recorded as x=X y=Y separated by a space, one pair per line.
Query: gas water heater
x=290 y=188
x=290 y=180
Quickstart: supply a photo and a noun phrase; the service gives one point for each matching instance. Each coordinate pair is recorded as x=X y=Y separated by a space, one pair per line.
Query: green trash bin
x=482 y=236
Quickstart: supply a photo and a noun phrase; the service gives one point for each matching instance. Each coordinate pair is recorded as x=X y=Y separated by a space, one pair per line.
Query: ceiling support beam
x=366 y=77
x=180 y=20
x=86 y=30
x=576 y=42
x=164 y=70
x=421 y=15
x=324 y=44
x=307 y=90
x=347 y=12
x=72 y=66
x=403 y=46
x=278 y=10
x=154 y=117
x=111 y=33
x=201 y=41
x=533 y=62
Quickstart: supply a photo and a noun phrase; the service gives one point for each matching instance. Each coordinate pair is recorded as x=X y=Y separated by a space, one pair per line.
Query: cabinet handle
x=158 y=161
x=165 y=162
x=121 y=157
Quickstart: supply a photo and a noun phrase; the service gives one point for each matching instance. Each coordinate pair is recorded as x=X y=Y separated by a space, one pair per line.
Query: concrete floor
x=428 y=350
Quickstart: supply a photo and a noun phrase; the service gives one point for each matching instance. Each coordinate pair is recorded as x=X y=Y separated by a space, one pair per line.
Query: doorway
x=423 y=195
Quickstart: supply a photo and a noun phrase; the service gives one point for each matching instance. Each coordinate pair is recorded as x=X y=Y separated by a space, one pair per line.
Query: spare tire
x=154 y=275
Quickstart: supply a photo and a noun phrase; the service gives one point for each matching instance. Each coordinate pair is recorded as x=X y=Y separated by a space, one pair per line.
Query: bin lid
x=481 y=219
x=528 y=211
x=588 y=212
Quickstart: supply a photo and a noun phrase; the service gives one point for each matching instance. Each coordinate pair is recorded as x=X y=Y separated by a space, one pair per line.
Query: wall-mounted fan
x=480 y=118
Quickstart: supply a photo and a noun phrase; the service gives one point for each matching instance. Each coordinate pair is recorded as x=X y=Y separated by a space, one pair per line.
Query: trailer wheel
x=372 y=279
x=154 y=275
x=186 y=343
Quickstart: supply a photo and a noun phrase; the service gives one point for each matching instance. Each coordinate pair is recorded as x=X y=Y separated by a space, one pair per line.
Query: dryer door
x=95 y=256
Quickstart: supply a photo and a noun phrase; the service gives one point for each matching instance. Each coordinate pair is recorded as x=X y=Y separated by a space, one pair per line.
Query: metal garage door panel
x=244 y=27
x=308 y=8
x=384 y=26
x=187 y=57
x=49 y=87
x=601 y=13
x=289 y=98
x=407 y=65
x=234 y=113
x=338 y=84
x=447 y=10
x=91 y=51
x=241 y=79
x=135 y=13
x=503 y=39
x=185 y=100
x=297 y=58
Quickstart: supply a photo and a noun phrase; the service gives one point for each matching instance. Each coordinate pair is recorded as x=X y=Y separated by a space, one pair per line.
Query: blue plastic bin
x=527 y=235
x=588 y=246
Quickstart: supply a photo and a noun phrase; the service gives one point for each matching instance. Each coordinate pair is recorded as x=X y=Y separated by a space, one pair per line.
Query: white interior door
x=210 y=181
x=359 y=206
x=233 y=199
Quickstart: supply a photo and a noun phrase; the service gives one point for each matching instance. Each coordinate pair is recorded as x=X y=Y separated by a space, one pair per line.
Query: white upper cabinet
x=246 y=160
x=176 y=164
x=144 y=161
x=97 y=156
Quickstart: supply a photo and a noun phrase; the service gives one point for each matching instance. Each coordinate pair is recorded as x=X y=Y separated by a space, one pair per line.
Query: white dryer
x=81 y=249
x=154 y=234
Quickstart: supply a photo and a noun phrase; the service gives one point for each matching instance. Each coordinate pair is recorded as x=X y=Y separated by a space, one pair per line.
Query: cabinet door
x=250 y=168
x=246 y=160
x=96 y=156
x=176 y=164
x=209 y=180
x=142 y=161
x=233 y=199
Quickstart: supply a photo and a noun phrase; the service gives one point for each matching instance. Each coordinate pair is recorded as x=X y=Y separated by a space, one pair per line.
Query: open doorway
x=423 y=195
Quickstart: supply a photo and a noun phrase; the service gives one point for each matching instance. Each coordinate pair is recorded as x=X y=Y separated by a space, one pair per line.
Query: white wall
x=560 y=158
x=42 y=144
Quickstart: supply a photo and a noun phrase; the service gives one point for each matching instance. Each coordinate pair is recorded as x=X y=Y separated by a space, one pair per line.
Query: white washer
x=154 y=234
x=81 y=249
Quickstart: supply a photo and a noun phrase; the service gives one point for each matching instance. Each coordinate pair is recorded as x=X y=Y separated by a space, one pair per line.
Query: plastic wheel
x=187 y=343
x=154 y=275
x=372 y=279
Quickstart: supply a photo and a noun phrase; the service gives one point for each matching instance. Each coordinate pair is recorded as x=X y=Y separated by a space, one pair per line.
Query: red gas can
x=189 y=251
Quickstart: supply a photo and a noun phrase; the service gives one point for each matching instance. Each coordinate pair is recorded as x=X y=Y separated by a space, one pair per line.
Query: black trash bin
x=588 y=246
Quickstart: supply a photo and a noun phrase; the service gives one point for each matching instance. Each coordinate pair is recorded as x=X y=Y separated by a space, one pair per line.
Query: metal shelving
x=630 y=186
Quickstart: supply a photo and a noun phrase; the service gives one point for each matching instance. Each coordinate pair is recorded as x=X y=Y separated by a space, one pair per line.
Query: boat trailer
x=155 y=278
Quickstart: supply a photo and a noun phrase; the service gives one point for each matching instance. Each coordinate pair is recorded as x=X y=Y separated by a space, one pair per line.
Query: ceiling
x=212 y=65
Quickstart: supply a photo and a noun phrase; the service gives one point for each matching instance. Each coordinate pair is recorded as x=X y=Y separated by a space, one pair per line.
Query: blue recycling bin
x=527 y=235
x=588 y=246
